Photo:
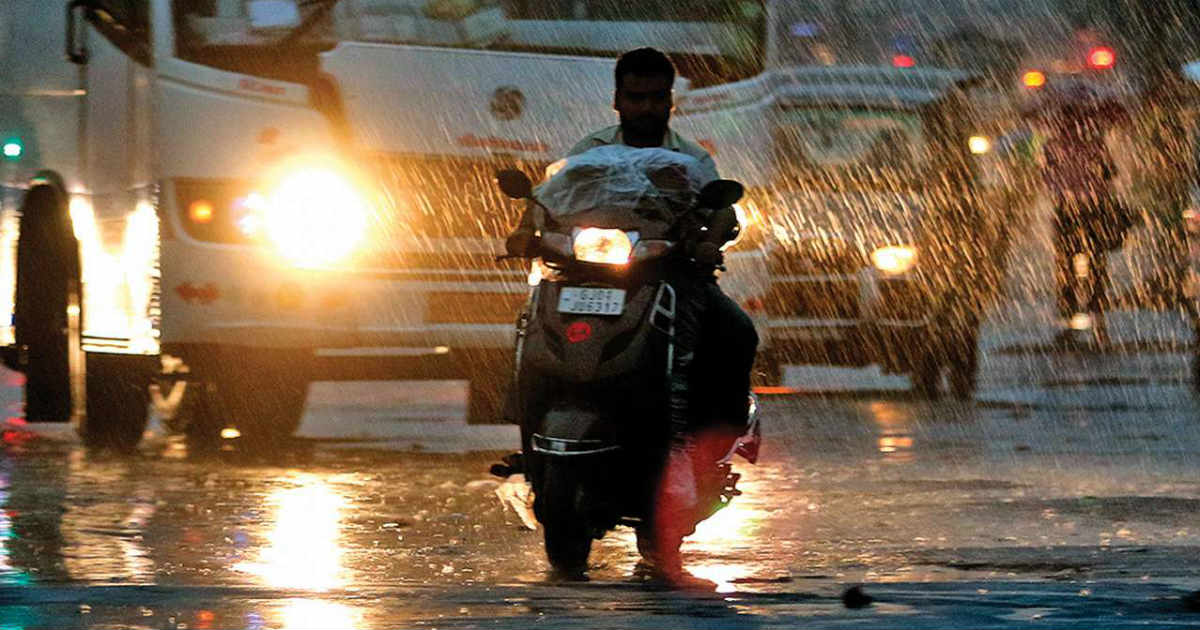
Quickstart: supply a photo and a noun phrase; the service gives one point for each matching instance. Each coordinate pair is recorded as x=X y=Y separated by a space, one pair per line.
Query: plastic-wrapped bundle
x=642 y=184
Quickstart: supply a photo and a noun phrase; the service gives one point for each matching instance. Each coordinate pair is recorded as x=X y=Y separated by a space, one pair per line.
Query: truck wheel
x=266 y=409
x=199 y=418
x=266 y=417
x=927 y=377
x=118 y=401
x=567 y=535
x=261 y=393
x=964 y=365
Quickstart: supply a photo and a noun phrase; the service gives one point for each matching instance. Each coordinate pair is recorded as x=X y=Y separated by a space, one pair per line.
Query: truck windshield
x=712 y=41
x=850 y=148
x=987 y=36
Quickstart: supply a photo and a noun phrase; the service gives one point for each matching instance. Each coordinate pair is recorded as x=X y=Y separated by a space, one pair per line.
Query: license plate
x=585 y=301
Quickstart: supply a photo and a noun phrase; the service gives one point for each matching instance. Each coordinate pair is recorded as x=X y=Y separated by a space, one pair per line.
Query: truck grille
x=474 y=308
x=450 y=261
x=439 y=198
x=827 y=297
x=905 y=298
x=811 y=256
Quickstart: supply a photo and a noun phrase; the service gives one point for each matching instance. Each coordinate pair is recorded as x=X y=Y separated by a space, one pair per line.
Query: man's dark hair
x=644 y=62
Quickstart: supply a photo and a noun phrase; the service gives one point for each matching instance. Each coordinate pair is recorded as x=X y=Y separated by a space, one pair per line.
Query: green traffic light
x=13 y=149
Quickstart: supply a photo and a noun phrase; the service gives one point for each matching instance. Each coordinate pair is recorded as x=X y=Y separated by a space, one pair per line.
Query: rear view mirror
x=514 y=183
x=720 y=193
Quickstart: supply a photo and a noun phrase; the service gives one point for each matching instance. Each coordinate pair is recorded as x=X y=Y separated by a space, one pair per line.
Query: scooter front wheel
x=567 y=534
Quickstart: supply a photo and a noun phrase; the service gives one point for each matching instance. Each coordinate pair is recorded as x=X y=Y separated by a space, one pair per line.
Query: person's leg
x=734 y=344
x=715 y=346
x=1098 y=303
x=716 y=385
x=675 y=497
x=1064 y=267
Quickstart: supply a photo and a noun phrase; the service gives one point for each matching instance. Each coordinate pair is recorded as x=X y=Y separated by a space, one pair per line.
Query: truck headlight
x=596 y=245
x=894 y=260
x=313 y=216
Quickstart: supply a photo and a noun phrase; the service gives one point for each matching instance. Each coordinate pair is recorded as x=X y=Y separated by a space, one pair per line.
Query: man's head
x=643 y=95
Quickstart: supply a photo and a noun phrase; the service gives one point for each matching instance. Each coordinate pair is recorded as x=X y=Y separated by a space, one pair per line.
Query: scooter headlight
x=597 y=245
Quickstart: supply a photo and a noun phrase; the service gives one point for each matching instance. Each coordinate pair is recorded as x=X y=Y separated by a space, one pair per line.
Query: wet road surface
x=1035 y=506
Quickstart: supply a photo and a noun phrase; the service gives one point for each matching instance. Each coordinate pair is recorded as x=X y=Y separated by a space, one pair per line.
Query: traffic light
x=13 y=149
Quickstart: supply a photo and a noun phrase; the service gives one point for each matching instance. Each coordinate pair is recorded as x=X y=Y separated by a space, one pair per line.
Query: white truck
x=265 y=192
x=889 y=220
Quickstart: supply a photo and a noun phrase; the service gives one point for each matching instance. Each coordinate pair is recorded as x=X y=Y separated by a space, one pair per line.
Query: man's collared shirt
x=672 y=141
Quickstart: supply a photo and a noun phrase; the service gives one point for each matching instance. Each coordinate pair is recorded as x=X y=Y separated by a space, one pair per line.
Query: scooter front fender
x=574 y=431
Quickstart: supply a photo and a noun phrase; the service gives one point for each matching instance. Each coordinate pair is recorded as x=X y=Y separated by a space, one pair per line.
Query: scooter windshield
x=622 y=186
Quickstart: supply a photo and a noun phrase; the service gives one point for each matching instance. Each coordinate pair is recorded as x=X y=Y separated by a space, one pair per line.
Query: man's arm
x=722 y=223
x=520 y=242
x=708 y=167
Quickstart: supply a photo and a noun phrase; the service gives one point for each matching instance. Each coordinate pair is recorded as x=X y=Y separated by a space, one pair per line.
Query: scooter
x=594 y=352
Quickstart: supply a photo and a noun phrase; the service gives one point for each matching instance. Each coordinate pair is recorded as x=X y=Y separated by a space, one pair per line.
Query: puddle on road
x=848 y=491
x=965 y=604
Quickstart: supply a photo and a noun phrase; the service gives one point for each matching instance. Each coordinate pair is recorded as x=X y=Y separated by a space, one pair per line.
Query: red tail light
x=1101 y=58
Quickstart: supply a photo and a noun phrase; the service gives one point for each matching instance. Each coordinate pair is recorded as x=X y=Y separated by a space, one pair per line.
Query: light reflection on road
x=707 y=552
x=335 y=538
x=723 y=574
x=103 y=536
x=6 y=530
x=304 y=548
x=894 y=421
x=318 y=614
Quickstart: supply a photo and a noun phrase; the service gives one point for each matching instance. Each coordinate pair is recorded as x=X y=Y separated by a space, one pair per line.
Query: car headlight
x=979 y=145
x=313 y=216
x=597 y=245
x=894 y=259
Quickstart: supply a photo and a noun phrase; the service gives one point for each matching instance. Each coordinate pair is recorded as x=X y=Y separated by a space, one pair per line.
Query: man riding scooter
x=715 y=340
